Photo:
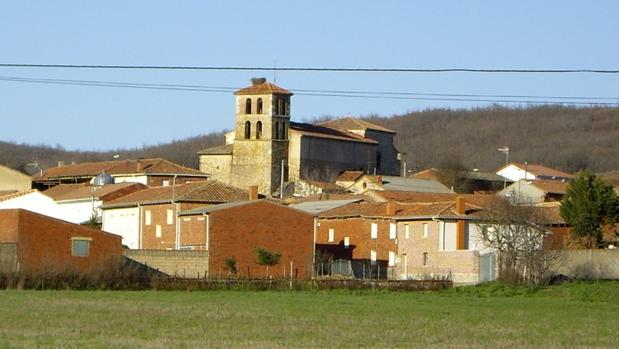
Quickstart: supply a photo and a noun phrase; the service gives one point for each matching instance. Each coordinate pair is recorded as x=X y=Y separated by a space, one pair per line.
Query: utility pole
x=505 y=150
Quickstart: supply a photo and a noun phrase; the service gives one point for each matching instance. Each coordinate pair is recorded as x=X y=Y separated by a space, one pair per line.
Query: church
x=266 y=145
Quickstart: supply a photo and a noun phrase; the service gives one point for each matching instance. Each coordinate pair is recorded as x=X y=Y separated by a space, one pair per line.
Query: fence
x=354 y=269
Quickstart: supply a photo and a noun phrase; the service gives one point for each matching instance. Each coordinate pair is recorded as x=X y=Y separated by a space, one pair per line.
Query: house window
x=391 y=259
x=247 y=130
x=248 y=106
x=374 y=231
x=331 y=235
x=425 y=259
x=346 y=241
x=425 y=230
x=148 y=217
x=158 y=231
x=259 y=106
x=80 y=247
x=258 y=129
x=407 y=231
x=169 y=216
x=165 y=182
x=392 y=231
x=373 y=257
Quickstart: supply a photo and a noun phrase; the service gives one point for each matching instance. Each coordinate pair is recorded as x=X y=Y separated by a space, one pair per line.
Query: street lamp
x=505 y=150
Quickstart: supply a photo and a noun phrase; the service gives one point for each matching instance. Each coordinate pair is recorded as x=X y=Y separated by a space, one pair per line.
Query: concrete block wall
x=190 y=264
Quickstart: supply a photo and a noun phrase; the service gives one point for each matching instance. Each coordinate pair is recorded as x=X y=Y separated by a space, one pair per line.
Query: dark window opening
x=280 y=107
x=248 y=106
x=276 y=130
x=247 y=130
x=258 y=129
x=259 y=106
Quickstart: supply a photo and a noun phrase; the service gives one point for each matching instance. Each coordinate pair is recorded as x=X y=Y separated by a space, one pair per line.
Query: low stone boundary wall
x=186 y=264
x=587 y=264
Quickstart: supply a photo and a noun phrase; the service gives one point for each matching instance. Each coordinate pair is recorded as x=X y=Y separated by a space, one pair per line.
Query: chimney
x=60 y=163
x=253 y=192
x=460 y=205
x=258 y=81
x=390 y=208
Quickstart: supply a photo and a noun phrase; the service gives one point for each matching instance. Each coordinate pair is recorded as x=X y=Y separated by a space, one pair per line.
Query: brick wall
x=420 y=256
x=45 y=243
x=9 y=226
x=167 y=240
x=238 y=231
x=190 y=264
x=358 y=231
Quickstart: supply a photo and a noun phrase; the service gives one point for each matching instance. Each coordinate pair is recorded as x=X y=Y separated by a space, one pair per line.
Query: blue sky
x=403 y=34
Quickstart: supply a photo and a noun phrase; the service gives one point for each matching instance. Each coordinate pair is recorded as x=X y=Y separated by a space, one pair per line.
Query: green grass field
x=575 y=315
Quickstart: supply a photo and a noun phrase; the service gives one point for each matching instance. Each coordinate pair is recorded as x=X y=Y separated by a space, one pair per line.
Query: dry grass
x=327 y=319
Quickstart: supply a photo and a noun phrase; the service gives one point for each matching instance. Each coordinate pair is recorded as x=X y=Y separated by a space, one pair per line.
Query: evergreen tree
x=588 y=205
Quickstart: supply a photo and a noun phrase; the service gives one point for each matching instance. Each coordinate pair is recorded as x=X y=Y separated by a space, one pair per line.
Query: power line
x=330 y=93
x=311 y=69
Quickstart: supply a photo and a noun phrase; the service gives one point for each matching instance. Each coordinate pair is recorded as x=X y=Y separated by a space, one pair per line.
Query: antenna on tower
x=275 y=70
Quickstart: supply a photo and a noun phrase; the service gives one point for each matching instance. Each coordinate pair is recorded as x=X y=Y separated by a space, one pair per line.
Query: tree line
x=567 y=138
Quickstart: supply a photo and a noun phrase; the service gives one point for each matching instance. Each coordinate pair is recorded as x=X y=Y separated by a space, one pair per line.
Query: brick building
x=147 y=219
x=32 y=243
x=150 y=172
x=407 y=240
x=236 y=229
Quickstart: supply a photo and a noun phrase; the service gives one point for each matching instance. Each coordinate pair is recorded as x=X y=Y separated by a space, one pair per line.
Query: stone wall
x=190 y=264
x=587 y=264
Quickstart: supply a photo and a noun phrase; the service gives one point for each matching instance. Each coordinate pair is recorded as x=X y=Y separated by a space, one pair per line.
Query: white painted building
x=516 y=171
x=124 y=222
x=34 y=201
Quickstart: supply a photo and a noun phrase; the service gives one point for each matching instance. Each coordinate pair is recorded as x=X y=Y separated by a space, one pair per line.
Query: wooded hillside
x=567 y=138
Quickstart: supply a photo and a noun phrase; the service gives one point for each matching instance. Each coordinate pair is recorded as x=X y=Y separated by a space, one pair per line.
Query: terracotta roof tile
x=263 y=88
x=16 y=194
x=350 y=123
x=142 y=166
x=550 y=186
x=402 y=210
x=198 y=192
x=327 y=132
x=480 y=200
x=225 y=149
x=64 y=192
x=541 y=170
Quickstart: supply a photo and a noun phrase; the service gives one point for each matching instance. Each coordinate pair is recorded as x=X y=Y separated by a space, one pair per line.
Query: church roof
x=263 y=88
x=225 y=149
x=350 y=123
x=319 y=131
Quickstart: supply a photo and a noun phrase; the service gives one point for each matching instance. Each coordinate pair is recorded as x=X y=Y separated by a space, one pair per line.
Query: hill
x=567 y=138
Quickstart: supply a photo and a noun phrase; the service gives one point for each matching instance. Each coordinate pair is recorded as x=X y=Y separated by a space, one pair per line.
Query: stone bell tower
x=261 y=136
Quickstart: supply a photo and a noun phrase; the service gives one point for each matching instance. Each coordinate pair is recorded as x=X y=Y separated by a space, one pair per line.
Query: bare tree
x=517 y=233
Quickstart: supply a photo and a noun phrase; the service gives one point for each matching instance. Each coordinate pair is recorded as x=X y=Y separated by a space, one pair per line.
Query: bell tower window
x=247 y=129
x=259 y=106
x=258 y=128
x=248 y=106
x=276 y=130
x=280 y=106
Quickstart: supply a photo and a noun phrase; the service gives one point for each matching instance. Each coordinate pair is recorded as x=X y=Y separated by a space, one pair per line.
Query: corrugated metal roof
x=395 y=183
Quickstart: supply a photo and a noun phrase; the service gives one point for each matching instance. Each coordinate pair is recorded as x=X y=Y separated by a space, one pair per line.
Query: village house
x=235 y=230
x=365 y=182
x=81 y=202
x=470 y=182
x=265 y=144
x=535 y=191
x=150 y=172
x=147 y=219
x=34 y=243
x=516 y=171
x=32 y=200
x=11 y=180
x=407 y=241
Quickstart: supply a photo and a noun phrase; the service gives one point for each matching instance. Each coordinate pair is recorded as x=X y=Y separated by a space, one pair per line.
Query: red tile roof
x=541 y=170
x=141 y=166
x=64 y=192
x=402 y=210
x=550 y=186
x=16 y=194
x=329 y=133
x=197 y=192
x=350 y=123
x=480 y=200
x=263 y=88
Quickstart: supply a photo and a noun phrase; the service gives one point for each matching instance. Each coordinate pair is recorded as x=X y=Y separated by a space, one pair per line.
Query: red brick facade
x=45 y=243
x=236 y=231
x=166 y=240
